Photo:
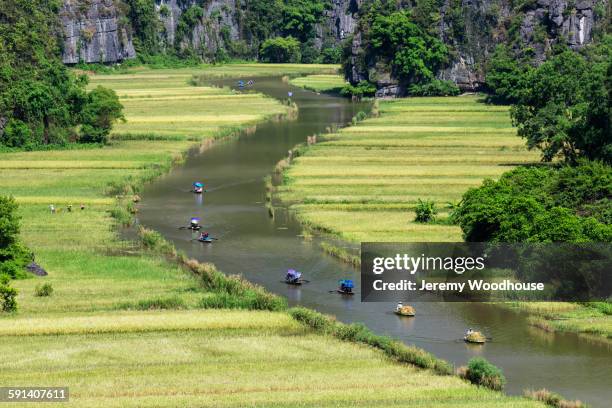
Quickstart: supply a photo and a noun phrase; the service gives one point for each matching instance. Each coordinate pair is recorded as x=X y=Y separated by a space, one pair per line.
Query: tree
x=415 y=56
x=530 y=204
x=564 y=107
x=280 y=49
x=13 y=255
x=102 y=110
x=506 y=75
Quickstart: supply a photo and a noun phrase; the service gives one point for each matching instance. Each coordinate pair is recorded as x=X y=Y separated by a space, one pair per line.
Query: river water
x=260 y=248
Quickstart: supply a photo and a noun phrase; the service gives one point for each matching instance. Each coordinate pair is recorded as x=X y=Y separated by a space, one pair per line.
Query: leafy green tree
x=530 y=204
x=506 y=75
x=434 y=88
x=280 y=49
x=299 y=18
x=8 y=295
x=13 y=255
x=102 y=110
x=415 y=55
x=564 y=107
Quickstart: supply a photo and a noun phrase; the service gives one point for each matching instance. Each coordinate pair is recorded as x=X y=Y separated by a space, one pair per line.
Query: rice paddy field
x=91 y=335
x=320 y=82
x=362 y=183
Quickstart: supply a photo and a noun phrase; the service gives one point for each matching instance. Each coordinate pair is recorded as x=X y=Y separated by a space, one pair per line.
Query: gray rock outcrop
x=93 y=32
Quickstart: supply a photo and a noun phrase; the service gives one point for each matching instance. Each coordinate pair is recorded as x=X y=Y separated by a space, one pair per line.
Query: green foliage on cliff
x=569 y=204
x=41 y=102
x=280 y=49
x=398 y=43
x=145 y=25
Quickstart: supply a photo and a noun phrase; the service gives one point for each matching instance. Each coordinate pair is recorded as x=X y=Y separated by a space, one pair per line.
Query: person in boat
x=194 y=224
x=293 y=276
x=399 y=307
x=198 y=187
x=204 y=236
x=346 y=286
x=468 y=332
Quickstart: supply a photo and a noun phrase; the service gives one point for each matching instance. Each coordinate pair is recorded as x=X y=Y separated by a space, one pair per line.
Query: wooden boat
x=342 y=292
x=206 y=240
x=406 y=311
x=295 y=283
x=475 y=337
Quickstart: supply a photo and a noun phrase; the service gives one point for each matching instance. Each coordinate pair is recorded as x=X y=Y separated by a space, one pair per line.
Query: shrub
x=434 y=88
x=481 y=372
x=425 y=211
x=363 y=88
x=160 y=303
x=8 y=295
x=43 y=290
x=280 y=49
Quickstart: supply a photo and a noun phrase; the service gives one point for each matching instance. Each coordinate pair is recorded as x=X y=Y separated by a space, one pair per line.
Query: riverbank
x=363 y=182
x=128 y=320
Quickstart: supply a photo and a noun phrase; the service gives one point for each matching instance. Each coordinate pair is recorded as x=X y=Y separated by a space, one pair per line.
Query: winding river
x=262 y=249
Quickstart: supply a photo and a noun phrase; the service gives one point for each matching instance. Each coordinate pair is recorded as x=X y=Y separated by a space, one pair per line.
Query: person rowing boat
x=205 y=237
x=293 y=277
x=346 y=286
x=198 y=188
x=194 y=224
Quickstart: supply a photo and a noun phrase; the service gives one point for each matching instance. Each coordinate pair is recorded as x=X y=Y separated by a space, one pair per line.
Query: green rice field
x=362 y=183
x=320 y=82
x=91 y=336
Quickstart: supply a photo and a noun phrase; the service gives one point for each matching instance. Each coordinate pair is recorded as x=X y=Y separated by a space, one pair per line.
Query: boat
x=206 y=240
x=198 y=188
x=295 y=283
x=345 y=287
x=406 y=311
x=343 y=292
x=475 y=337
x=293 y=277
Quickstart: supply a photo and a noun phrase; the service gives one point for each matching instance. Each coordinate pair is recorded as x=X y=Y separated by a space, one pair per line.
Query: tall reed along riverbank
x=234 y=210
x=126 y=324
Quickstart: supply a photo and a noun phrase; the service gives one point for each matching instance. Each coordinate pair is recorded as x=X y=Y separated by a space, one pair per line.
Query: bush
x=17 y=134
x=363 y=88
x=552 y=399
x=331 y=55
x=13 y=255
x=280 y=49
x=425 y=211
x=43 y=290
x=532 y=204
x=161 y=303
x=8 y=295
x=481 y=372
x=434 y=88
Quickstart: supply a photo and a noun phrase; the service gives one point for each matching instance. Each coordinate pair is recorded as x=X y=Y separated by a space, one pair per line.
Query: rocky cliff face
x=472 y=29
x=99 y=31
x=93 y=33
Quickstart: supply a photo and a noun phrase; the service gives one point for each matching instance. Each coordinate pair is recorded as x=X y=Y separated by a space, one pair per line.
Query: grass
x=124 y=325
x=320 y=83
x=220 y=359
x=363 y=182
x=591 y=319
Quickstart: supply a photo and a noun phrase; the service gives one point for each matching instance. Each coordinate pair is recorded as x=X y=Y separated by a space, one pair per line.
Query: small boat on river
x=474 y=337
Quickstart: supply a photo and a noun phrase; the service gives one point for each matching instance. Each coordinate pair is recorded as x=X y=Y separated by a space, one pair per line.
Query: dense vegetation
x=14 y=256
x=562 y=108
x=41 y=102
x=399 y=41
x=541 y=204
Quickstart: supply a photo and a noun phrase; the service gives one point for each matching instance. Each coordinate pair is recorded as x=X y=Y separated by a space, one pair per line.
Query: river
x=260 y=248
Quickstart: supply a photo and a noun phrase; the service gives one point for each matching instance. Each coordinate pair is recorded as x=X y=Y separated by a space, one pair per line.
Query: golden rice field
x=218 y=359
x=320 y=82
x=89 y=337
x=362 y=183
